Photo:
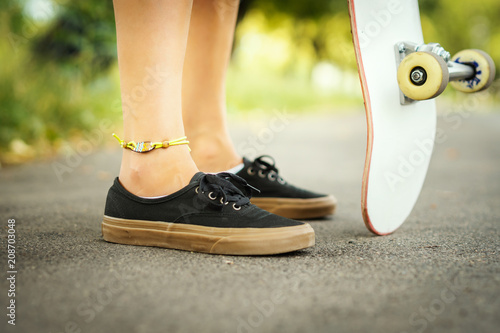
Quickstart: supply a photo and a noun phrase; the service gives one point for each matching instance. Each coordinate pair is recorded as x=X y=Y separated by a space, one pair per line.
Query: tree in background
x=58 y=75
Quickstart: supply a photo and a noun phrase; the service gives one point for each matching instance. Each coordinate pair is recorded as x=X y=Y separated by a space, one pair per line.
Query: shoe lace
x=267 y=168
x=222 y=188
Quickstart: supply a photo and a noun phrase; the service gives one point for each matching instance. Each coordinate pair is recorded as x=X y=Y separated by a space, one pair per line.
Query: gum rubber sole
x=298 y=208
x=189 y=237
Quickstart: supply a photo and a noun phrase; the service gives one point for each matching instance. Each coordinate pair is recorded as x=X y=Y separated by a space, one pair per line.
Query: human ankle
x=214 y=154
x=156 y=173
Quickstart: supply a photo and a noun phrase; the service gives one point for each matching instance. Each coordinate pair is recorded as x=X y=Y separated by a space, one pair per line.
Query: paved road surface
x=439 y=273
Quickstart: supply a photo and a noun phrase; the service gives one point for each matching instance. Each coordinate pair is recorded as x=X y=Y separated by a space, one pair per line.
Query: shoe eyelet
x=236 y=207
x=222 y=201
x=197 y=190
x=251 y=171
x=271 y=176
x=281 y=181
x=210 y=195
x=261 y=174
x=226 y=203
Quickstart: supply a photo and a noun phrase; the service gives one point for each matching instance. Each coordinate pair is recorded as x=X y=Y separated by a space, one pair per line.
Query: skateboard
x=400 y=75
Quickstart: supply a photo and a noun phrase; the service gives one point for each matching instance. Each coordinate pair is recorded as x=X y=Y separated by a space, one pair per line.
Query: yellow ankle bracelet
x=147 y=146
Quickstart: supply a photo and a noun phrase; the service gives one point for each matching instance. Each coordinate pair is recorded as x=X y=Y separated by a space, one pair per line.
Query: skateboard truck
x=424 y=70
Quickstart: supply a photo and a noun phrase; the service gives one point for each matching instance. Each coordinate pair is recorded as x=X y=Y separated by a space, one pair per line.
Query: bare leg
x=209 y=45
x=152 y=38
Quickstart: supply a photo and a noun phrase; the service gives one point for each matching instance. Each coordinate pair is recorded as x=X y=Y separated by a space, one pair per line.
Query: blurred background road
x=439 y=273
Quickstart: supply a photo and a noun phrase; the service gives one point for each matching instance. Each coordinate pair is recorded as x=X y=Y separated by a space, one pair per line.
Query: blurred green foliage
x=56 y=78
x=58 y=73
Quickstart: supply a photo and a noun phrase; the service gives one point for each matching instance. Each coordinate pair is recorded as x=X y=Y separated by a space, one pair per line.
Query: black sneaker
x=212 y=214
x=279 y=197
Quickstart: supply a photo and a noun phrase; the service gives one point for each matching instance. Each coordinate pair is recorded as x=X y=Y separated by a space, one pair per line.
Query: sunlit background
x=59 y=77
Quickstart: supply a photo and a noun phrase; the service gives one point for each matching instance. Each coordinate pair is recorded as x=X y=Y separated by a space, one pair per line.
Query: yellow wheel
x=422 y=75
x=483 y=65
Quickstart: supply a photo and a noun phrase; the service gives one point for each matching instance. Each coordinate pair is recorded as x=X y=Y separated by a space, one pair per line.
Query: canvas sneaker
x=281 y=198
x=212 y=214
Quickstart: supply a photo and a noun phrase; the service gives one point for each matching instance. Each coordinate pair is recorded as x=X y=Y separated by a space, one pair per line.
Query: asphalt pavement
x=440 y=272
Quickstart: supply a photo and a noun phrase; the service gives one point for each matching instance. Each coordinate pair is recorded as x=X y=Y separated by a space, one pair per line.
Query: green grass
x=248 y=90
x=44 y=105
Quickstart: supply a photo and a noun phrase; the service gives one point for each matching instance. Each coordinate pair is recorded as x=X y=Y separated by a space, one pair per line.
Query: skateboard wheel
x=422 y=75
x=484 y=68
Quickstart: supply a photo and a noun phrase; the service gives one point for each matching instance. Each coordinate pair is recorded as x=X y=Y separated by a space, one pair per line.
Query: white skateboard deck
x=400 y=137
